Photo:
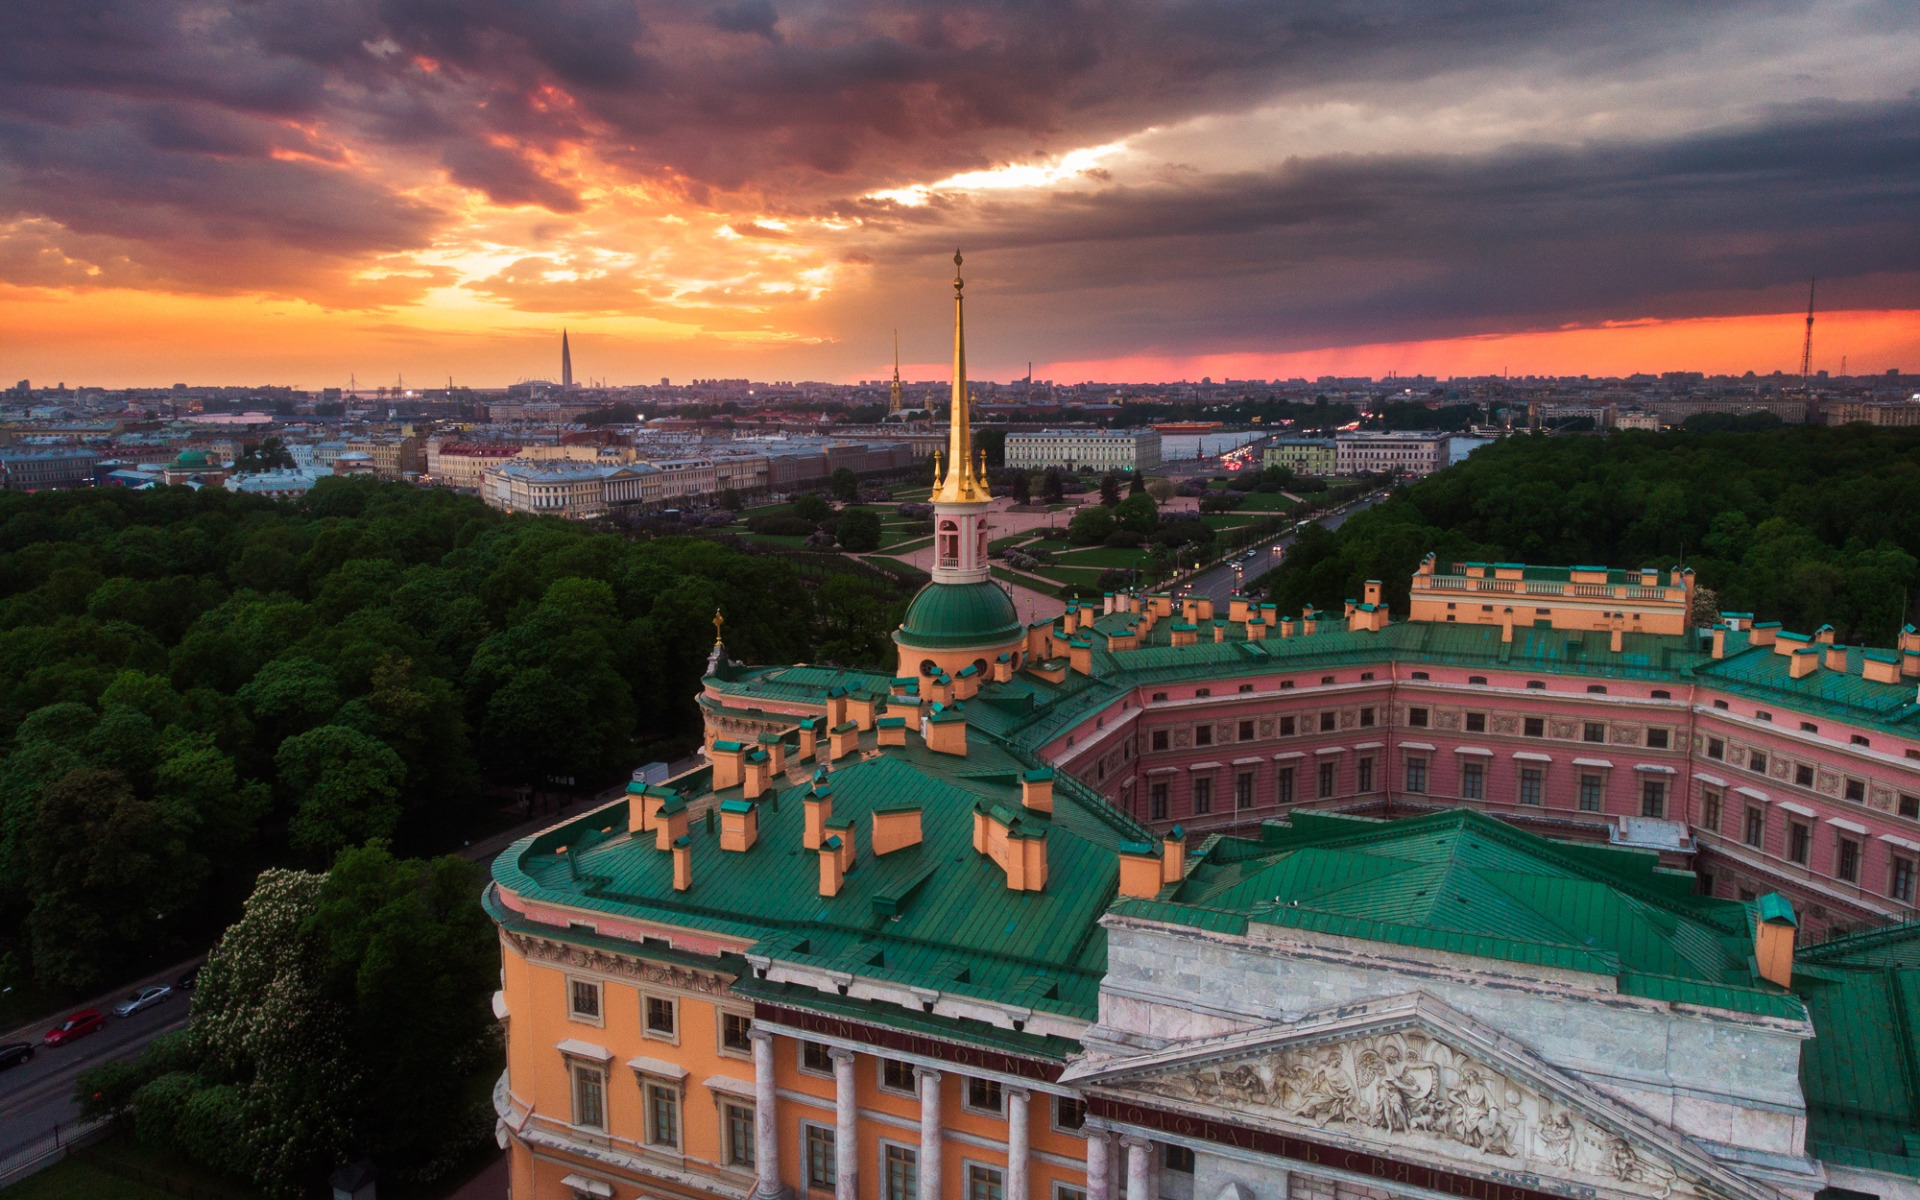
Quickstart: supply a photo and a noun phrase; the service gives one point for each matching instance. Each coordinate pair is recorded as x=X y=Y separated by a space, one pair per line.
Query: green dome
x=957 y=616
x=193 y=458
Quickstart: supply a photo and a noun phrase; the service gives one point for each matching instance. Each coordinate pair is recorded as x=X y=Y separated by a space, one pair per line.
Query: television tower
x=1806 y=351
x=566 y=361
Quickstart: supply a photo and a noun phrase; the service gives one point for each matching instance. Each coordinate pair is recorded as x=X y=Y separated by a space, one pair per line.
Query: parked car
x=145 y=998
x=79 y=1025
x=189 y=979
x=12 y=1054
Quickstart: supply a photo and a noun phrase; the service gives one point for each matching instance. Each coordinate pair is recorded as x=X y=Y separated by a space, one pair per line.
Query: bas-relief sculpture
x=1411 y=1090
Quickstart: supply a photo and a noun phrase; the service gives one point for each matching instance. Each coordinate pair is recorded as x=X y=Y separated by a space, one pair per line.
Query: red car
x=79 y=1025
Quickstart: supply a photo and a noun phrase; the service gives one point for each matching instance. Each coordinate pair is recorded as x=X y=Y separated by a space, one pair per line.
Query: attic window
x=1287 y=685
x=1202 y=692
x=1539 y=684
x=1420 y=675
x=1325 y=679
x=1246 y=687
x=1597 y=689
x=1719 y=703
x=1477 y=680
x=1159 y=695
x=1860 y=741
x=1660 y=694
x=1761 y=714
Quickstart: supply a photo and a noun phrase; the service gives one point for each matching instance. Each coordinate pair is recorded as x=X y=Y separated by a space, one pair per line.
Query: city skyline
x=300 y=190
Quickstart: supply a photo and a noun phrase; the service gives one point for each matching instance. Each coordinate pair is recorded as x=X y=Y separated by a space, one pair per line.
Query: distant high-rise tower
x=893 y=393
x=1806 y=350
x=566 y=361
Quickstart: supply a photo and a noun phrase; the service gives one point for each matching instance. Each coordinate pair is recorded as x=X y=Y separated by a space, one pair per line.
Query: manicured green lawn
x=905 y=547
x=1228 y=520
x=1264 y=502
x=793 y=542
x=1078 y=575
x=75 y=1179
x=1103 y=556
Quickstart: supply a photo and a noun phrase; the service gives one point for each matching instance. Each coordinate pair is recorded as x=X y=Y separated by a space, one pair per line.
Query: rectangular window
x=1857 y=791
x=1203 y=735
x=1176 y=1158
x=1846 y=863
x=902 y=1172
x=1476 y=722
x=1069 y=1113
x=1534 y=727
x=1159 y=739
x=1202 y=796
x=1284 y=785
x=1799 y=839
x=663 y=1116
x=1327 y=769
x=734 y=1028
x=1909 y=806
x=1594 y=731
x=1416 y=774
x=583 y=1000
x=1530 y=778
x=1286 y=726
x=1246 y=731
x=739 y=1134
x=1243 y=790
x=1417 y=717
x=1157 y=801
x=1592 y=788
x=1653 y=798
x=589 y=1097
x=819 y=1155
x=661 y=1017
x=1716 y=748
x=1066 y=1191
x=983 y=1095
x=815 y=1059
x=1366 y=718
x=1656 y=739
x=1802 y=775
x=896 y=1076
x=1329 y=722
x=1756 y=826
x=1710 y=811
x=1473 y=781
x=985 y=1183
x=1757 y=761
x=1900 y=879
x=1363 y=775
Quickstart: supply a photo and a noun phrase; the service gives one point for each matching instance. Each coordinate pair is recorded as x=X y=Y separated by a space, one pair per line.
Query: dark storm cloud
x=221 y=143
x=1401 y=247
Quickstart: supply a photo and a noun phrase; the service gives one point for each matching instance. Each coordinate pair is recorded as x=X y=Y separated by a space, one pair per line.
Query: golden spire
x=893 y=397
x=718 y=621
x=961 y=485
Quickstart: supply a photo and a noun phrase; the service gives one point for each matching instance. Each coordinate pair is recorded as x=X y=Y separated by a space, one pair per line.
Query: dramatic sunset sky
x=292 y=190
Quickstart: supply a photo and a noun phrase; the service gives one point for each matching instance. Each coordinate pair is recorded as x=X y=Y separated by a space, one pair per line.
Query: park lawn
x=1104 y=556
x=913 y=493
x=896 y=536
x=1088 y=577
x=1264 y=502
x=1228 y=520
x=905 y=547
x=783 y=541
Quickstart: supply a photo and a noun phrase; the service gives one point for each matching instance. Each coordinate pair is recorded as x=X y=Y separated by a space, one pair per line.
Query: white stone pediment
x=1410 y=1077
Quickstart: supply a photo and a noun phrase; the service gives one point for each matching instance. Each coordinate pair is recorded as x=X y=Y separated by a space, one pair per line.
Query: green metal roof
x=1467 y=883
x=949 y=616
x=1861 y=1072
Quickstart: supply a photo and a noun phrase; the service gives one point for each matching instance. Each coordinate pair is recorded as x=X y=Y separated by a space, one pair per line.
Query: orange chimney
x=1036 y=790
x=809 y=737
x=682 y=863
x=832 y=875
x=670 y=824
x=739 y=825
x=1139 y=870
x=895 y=827
x=1173 y=855
x=819 y=809
x=1773 y=930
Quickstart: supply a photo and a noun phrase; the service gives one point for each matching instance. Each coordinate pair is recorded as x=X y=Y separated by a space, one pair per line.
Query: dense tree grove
x=1803 y=525
x=195 y=683
x=344 y=1015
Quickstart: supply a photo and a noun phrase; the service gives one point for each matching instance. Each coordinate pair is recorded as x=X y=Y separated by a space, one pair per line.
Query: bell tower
x=960 y=497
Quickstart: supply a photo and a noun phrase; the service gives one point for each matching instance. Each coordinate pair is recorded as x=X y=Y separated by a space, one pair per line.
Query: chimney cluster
x=1145 y=868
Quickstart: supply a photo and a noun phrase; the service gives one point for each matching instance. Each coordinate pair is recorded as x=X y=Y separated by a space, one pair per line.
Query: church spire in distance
x=893 y=394
x=962 y=484
x=566 y=361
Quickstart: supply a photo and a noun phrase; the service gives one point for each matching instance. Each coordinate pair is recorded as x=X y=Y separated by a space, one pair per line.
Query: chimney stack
x=682 y=863
x=1773 y=931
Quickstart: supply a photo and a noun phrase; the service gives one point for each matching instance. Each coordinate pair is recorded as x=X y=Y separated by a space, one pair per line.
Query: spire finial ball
x=958 y=282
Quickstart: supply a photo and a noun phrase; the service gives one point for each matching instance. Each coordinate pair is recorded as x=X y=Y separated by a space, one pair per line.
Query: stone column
x=846 y=1135
x=1018 y=1142
x=1099 y=1166
x=1139 y=1168
x=766 y=1117
x=929 y=1132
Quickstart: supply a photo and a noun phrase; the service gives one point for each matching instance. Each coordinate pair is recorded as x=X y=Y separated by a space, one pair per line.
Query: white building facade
x=1415 y=454
x=1100 y=449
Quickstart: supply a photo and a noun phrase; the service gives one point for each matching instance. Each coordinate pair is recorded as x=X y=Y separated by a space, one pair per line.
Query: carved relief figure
x=1407 y=1085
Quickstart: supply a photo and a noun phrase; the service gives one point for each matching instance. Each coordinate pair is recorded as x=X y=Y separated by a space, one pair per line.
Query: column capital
x=757 y=1034
x=1012 y=1091
x=1134 y=1141
x=926 y=1073
x=841 y=1054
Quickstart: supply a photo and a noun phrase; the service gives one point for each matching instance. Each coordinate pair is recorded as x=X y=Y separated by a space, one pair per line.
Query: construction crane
x=1806 y=351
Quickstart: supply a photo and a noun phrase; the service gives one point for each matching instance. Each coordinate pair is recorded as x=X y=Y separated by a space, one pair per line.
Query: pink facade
x=1760 y=798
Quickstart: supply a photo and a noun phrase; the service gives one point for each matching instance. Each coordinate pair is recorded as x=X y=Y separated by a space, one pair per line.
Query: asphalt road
x=1218 y=582
x=38 y=1094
